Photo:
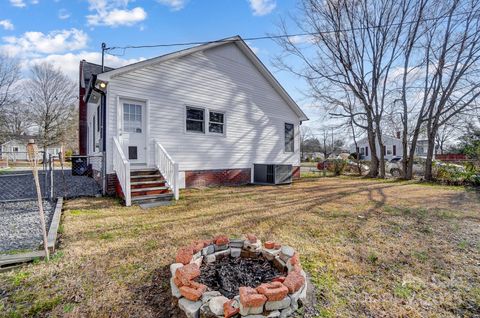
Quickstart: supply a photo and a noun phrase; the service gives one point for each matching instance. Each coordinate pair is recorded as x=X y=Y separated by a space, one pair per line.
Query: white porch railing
x=121 y=166
x=167 y=167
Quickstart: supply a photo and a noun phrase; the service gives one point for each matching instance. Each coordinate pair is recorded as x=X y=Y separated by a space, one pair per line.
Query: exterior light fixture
x=102 y=85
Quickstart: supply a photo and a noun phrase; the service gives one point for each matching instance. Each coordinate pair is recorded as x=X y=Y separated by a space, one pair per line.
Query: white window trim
x=206 y=121
x=224 y=122
x=284 y=146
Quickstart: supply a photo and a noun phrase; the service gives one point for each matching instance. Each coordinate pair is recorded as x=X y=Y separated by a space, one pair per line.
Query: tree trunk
x=430 y=152
x=373 y=154
x=382 y=152
x=405 y=154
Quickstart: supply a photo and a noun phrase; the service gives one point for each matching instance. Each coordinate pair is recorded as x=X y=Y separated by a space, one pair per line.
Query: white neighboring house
x=393 y=148
x=16 y=148
x=201 y=116
x=421 y=148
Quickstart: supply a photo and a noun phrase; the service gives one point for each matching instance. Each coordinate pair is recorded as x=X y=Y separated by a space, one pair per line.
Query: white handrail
x=121 y=166
x=168 y=168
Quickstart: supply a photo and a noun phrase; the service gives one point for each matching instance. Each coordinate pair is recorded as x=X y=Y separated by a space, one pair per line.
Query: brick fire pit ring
x=280 y=297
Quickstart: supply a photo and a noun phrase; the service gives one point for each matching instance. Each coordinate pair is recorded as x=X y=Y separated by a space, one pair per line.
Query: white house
x=197 y=117
x=15 y=148
x=393 y=148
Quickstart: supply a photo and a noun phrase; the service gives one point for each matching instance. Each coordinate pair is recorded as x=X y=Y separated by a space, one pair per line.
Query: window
x=394 y=150
x=15 y=149
x=195 y=120
x=362 y=151
x=132 y=118
x=289 y=137
x=366 y=151
x=216 y=123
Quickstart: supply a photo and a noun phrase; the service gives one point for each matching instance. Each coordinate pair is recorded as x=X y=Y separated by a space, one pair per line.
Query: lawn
x=373 y=249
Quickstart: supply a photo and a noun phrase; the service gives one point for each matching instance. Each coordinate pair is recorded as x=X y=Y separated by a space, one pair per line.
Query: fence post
x=50 y=163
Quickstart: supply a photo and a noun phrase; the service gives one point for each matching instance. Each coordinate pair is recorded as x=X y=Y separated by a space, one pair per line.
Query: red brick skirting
x=113 y=186
x=209 y=178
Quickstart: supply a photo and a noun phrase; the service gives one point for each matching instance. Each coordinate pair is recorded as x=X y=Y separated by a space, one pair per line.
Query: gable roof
x=238 y=41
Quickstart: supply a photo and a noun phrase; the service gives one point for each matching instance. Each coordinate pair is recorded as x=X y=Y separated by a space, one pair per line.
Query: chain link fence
x=75 y=176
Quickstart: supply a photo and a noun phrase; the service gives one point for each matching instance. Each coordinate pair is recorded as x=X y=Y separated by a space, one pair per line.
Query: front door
x=133 y=131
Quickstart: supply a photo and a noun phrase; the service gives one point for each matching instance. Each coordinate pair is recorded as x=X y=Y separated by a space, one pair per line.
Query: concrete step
x=152 y=198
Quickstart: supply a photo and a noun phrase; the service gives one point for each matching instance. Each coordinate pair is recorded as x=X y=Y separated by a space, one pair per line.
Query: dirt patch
x=158 y=296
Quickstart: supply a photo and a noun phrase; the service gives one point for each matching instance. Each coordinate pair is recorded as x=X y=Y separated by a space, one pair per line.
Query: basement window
x=195 y=119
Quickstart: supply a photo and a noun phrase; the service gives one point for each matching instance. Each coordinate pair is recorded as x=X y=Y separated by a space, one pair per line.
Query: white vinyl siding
x=219 y=80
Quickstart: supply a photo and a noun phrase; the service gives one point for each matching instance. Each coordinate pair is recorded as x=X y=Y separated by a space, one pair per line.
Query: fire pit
x=238 y=277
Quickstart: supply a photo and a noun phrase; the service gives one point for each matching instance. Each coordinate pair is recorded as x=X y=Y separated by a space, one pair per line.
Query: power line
x=273 y=37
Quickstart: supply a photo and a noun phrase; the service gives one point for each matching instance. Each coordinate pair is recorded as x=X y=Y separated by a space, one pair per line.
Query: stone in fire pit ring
x=282 y=283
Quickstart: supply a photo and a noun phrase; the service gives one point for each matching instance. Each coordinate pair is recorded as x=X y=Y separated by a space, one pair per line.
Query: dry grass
x=373 y=248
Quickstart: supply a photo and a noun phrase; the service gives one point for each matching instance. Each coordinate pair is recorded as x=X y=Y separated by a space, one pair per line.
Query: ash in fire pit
x=230 y=273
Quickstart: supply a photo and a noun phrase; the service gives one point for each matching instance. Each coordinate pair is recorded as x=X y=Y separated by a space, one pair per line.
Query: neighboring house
x=313 y=156
x=421 y=148
x=202 y=116
x=393 y=148
x=15 y=148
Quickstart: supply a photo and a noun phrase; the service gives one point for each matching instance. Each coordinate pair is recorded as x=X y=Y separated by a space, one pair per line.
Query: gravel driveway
x=20 y=227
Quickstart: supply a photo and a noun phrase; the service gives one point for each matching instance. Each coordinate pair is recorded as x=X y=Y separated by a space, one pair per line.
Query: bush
x=455 y=175
x=337 y=166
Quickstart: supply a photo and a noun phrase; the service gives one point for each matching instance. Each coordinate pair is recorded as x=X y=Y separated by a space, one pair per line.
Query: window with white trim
x=216 y=123
x=289 y=137
x=195 y=119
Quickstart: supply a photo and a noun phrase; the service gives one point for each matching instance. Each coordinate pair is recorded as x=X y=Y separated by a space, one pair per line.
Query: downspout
x=103 y=108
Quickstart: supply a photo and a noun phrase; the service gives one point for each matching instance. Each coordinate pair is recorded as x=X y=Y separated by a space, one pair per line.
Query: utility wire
x=273 y=37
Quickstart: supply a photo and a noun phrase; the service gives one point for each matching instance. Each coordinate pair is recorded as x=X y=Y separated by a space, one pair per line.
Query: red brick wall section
x=296 y=172
x=113 y=186
x=209 y=178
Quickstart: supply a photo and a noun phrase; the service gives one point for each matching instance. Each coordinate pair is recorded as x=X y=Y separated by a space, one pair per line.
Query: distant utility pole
x=104 y=48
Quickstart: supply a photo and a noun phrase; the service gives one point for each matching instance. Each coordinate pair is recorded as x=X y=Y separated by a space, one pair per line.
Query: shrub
x=449 y=174
x=337 y=166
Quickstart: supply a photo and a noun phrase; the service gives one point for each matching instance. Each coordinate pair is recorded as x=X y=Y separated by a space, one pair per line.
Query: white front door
x=133 y=131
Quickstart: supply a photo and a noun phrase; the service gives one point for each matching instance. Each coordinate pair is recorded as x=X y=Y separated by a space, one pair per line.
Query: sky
x=64 y=32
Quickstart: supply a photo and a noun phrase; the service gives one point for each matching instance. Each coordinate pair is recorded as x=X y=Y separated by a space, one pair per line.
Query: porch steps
x=148 y=187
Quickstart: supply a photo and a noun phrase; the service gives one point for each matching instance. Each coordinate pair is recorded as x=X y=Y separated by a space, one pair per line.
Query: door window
x=132 y=118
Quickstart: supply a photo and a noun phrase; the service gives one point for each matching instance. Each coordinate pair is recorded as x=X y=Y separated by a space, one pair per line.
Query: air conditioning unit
x=272 y=174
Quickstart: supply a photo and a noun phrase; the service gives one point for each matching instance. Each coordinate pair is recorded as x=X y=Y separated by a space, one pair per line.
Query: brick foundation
x=208 y=178
x=112 y=184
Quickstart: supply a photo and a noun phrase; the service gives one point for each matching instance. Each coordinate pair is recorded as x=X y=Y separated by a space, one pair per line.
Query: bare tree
x=16 y=119
x=448 y=78
x=50 y=95
x=354 y=45
x=9 y=75
x=305 y=135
